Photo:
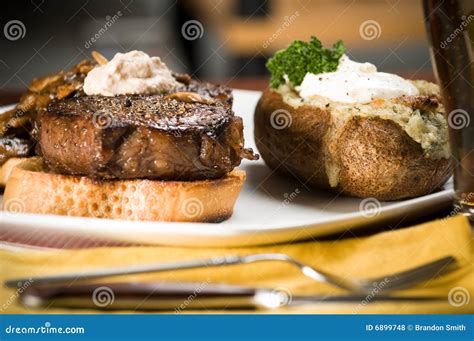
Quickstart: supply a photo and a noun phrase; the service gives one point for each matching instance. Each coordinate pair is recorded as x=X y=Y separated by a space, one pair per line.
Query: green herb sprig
x=301 y=57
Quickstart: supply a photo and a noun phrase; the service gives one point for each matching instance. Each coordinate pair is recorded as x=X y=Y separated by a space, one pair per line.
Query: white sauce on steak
x=134 y=72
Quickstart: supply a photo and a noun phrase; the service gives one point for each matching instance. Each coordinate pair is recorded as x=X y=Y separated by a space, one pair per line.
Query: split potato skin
x=373 y=157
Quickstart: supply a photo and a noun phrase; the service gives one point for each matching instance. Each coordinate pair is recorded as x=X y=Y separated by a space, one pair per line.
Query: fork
x=395 y=281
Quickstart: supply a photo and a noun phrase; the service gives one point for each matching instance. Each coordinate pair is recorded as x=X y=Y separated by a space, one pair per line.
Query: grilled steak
x=188 y=135
x=17 y=133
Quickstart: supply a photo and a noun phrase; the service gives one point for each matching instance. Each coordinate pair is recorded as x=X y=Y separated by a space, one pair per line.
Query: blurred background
x=226 y=41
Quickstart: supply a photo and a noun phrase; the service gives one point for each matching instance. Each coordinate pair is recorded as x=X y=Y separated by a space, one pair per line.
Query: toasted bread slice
x=31 y=189
x=7 y=167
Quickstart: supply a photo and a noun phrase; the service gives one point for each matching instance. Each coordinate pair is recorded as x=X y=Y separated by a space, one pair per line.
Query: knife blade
x=178 y=296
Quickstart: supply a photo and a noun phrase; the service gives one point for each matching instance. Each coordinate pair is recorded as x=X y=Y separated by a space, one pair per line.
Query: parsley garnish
x=301 y=57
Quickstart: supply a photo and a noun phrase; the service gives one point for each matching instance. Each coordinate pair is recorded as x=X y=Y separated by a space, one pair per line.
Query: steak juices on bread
x=340 y=125
x=135 y=142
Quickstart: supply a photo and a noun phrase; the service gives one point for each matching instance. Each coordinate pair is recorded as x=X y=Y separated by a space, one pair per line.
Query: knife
x=180 y=296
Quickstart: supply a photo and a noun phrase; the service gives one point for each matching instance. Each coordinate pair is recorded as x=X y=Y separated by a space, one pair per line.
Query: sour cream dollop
x=354 y=82
x=134 y=72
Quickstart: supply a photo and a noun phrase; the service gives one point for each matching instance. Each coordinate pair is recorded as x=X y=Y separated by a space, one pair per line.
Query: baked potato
x=387 y=149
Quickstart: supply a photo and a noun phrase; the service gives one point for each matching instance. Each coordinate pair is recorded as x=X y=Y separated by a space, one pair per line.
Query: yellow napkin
x=377 y=255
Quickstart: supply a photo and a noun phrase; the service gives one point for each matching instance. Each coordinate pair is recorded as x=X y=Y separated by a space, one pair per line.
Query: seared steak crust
x=144 y=136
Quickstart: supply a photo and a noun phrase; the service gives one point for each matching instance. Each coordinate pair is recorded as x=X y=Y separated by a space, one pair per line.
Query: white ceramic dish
x=270 y=209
